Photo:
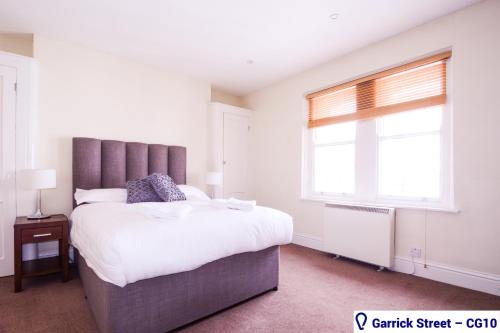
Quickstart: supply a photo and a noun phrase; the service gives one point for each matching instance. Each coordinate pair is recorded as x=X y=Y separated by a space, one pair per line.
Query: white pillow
x=193 y=193
x=100 y=195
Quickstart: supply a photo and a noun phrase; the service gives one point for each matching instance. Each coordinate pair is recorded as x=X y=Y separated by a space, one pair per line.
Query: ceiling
x=239 y=46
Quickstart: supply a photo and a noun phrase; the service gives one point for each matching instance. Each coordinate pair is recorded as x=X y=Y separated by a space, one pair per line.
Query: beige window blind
x=415 y=85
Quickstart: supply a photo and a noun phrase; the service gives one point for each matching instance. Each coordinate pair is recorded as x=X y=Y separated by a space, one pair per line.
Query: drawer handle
x=43 y=235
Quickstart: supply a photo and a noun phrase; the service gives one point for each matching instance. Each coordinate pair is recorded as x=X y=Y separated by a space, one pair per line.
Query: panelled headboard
x=110 y=164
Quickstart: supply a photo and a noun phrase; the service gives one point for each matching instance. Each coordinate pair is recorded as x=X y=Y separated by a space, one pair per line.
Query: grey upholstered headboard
x=110 y=164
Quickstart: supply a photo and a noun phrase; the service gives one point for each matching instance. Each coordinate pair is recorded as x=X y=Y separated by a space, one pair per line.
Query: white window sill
x=402 y=205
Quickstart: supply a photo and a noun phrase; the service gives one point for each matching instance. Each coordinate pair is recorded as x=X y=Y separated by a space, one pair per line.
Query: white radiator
x=361 y=233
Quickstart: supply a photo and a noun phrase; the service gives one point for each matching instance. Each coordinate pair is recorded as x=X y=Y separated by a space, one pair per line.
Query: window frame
x=366 y=193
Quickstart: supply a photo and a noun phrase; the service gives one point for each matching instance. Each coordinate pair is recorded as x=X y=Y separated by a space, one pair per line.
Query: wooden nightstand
x=37 y=231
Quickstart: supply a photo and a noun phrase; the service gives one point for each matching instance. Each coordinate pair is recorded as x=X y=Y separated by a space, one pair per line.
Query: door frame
x=25 y=130
x=215 y=142
x=8 y=167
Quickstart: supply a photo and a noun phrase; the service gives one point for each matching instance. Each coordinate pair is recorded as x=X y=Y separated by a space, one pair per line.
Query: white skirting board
x=474 y=280
x=479 y=281
x=309 y=241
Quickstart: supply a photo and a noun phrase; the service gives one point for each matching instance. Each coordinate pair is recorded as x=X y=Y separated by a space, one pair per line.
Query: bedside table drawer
x=41 y=234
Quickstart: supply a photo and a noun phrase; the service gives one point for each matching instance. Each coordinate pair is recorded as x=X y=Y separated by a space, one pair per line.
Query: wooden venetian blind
x=415 y=85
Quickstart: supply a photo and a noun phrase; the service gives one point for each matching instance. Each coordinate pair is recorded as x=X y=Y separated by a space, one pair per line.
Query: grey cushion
x=165 y=187
x=141 y=191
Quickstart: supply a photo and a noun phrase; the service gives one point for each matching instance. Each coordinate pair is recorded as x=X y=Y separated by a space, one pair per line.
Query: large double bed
x=142 y=273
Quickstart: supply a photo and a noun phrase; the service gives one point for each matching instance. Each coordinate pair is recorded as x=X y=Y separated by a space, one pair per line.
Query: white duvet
x=123 y=243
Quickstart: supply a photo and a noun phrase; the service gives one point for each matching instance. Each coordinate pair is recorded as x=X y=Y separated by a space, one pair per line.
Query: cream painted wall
x=17 y=43
x=468 y=240
x=83 y=92
x=226 y=98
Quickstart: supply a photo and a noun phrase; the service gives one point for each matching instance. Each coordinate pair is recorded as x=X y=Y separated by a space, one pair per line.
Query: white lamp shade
x=38 y=179
x=214 y=178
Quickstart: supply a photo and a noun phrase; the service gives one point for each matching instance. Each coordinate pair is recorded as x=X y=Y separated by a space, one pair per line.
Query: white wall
x=83 y=92
x=469 y=240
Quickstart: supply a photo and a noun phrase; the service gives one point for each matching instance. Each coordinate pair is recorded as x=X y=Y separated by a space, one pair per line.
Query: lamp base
x=38 y=216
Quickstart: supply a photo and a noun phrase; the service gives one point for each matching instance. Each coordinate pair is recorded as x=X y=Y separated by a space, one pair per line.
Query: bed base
x=167 y=302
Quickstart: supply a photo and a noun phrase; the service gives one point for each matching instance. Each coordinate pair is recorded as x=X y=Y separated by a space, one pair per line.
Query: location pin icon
x=361 y=320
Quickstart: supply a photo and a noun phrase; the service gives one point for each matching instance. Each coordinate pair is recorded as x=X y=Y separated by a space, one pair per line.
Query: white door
x=7 y=169
x=235 y=155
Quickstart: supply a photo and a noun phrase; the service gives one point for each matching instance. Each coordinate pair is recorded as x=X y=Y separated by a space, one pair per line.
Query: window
x=409 y=154
x=383 y=139
x=334 y=148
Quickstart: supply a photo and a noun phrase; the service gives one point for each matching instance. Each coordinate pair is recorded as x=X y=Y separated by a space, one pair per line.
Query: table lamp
x=214 y=179
x=38 y=179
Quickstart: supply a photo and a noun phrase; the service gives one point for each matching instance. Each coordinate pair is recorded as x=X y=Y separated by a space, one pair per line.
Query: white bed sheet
x=123 y=245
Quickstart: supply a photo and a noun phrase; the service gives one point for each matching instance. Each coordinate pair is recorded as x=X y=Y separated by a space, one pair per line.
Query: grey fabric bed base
x=167 y=302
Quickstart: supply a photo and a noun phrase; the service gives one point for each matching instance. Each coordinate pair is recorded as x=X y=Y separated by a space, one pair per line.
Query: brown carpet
x=317 y=294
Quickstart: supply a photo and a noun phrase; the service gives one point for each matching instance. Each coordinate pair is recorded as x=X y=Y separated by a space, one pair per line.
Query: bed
x=157 y=299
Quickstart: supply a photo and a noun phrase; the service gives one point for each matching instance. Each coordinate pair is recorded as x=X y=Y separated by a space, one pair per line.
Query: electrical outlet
x=415 y=252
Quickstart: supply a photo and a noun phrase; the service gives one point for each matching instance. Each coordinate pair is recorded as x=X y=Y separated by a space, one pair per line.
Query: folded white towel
x=233 y=203
x=163 y=210
x=246 y=205
x=219 y=203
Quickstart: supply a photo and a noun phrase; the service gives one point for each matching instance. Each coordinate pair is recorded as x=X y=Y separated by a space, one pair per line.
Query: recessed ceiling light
x=334 y=16
x=250 y=61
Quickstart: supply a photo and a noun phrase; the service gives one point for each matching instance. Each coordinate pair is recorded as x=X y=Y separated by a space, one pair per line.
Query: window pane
x=334 y=169
x=411 y=122
x=342 y=132
x=410 y=167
